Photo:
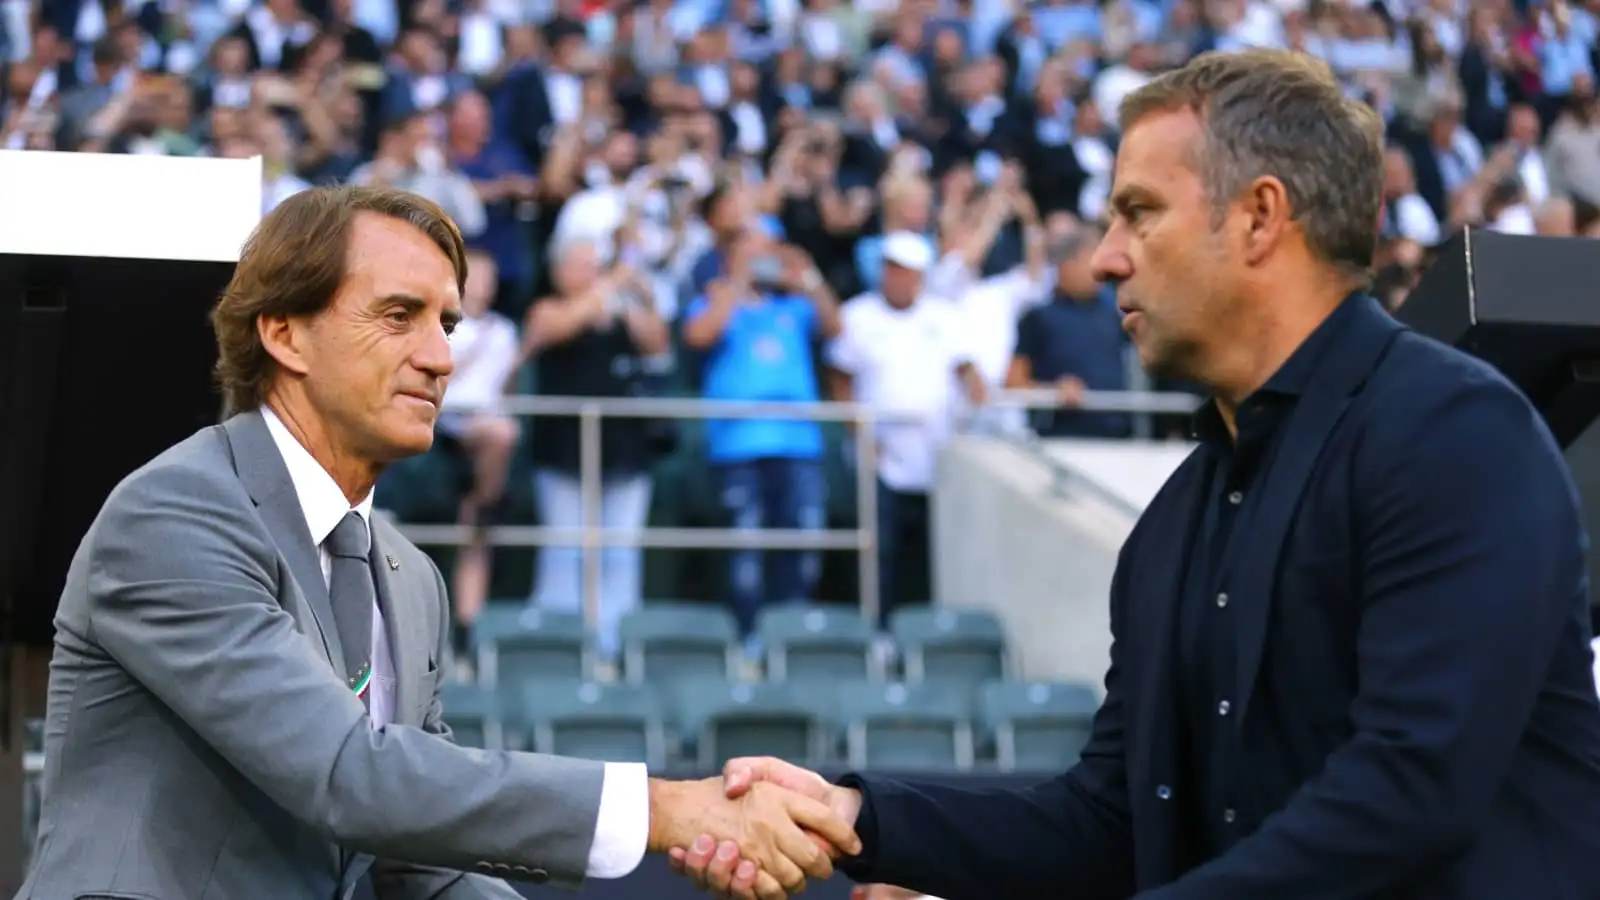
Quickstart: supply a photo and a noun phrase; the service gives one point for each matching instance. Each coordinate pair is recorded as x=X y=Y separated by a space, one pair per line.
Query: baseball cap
x=908 y=250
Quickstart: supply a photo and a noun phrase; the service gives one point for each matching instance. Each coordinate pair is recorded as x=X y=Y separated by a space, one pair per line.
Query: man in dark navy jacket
x=1350 y=654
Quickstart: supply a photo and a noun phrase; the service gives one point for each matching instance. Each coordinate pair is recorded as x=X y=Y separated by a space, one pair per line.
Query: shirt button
x=1228 y=816
x=1222 y=601
x=1223 y=707
x=1164 y=792
x=1236 y=497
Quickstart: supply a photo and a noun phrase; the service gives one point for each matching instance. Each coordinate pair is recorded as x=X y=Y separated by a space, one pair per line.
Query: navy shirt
x=1081 y=338
x=1206 y=655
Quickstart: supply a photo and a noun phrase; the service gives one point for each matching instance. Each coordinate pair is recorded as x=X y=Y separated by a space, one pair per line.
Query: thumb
x=737 y=777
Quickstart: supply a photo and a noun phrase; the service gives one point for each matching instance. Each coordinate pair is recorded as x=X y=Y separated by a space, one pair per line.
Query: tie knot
x=350 y=538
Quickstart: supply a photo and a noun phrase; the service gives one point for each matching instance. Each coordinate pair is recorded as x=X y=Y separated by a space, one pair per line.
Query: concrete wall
x=1004 y=540
x=1037 y=543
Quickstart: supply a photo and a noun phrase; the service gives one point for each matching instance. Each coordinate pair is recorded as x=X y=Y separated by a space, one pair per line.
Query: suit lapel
x=1349 y=360
x=265 y=477
x=399 y=610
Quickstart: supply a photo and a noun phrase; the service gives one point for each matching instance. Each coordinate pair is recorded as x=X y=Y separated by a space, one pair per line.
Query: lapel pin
x=394 y=564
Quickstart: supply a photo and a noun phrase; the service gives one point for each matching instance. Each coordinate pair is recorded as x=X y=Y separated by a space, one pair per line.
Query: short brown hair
x=1279 y=113
x=293 y=265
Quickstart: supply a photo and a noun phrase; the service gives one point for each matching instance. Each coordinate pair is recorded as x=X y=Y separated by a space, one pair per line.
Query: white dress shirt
x=623 y=828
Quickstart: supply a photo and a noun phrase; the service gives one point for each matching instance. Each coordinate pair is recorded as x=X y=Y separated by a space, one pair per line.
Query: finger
x=782 y=863
x=816 y=816
x=737 y=776
x=802 y=852
x=675 y=858
x=720 y=873
x=698 y=859
x=768 y=888
x=744 y=880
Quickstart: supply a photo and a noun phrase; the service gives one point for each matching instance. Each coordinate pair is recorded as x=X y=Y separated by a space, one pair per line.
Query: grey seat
x=966 y=645
x=611 y=722
x=723 y=720
x=473 y=714
x=907 y=726
x=817 y=641
x=662 y=641
x=1038 y=726
x=517 y=644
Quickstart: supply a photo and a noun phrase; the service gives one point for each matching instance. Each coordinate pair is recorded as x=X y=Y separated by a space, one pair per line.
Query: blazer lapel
x=396 y=600
x=265 y=477
x=1340 y=375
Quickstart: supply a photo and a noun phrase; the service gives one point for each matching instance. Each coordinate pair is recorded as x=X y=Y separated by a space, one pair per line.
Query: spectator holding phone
x=756 y=325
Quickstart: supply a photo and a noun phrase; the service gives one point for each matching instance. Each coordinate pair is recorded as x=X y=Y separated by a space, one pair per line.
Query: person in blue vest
x=757 y=325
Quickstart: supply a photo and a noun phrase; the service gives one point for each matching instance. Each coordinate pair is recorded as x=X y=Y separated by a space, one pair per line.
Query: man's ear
x=284 y=339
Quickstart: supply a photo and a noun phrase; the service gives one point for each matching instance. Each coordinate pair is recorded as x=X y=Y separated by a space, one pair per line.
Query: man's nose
x=433 y=353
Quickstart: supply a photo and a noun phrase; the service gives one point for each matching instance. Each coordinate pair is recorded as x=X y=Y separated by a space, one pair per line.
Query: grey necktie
x=354 y=597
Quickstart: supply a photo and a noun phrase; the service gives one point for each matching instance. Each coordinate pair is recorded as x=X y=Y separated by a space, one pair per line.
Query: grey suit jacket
x=200 y=745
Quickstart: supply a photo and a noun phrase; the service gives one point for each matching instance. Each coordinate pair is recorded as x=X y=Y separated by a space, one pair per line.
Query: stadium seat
x=821 y=641
x=473 y=714
x=966 y=645
x=1038 y=726
x=898 y=726
x=516 y=644
x=662 y=641
x=724 y=720
x=611 y=722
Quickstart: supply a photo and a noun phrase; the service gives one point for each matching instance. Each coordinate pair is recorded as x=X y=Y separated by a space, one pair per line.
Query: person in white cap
x=905 y=353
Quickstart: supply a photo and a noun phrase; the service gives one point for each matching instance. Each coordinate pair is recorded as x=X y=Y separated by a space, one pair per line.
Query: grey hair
x=561 y=250
x=1282 y=114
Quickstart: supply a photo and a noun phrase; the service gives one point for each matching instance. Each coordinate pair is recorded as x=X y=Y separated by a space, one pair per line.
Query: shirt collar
x=321 y=500
x=1292 y=379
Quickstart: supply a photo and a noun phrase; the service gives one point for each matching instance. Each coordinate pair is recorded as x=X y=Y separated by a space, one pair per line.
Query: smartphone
x=766 y=271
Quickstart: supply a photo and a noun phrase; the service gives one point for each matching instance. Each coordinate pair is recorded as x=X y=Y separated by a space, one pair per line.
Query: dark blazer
x=1416 y=714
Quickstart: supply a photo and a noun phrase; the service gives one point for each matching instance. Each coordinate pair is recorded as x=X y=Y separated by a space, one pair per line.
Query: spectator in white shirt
x=904 y=352
x=484 y=348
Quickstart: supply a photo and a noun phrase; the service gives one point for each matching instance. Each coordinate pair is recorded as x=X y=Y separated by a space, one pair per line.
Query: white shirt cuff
x=623 y=827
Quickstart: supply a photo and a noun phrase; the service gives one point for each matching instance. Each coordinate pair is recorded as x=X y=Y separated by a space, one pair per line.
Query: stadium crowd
x=782 y=200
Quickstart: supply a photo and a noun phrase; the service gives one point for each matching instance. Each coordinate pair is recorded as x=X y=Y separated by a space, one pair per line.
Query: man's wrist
x=663 y=803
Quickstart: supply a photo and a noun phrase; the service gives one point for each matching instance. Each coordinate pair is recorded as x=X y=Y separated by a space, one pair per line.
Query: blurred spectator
x=904 y=353
x=592 y=338
x=409 y=158
x=484 y=349
x=1074 y=343
x=756 y=325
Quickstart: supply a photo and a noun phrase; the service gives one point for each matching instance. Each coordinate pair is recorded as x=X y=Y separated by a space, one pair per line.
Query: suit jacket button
x=484 y=867
x=1164 y=792
x=522 y=870
x=502 y=869
x=539 y=876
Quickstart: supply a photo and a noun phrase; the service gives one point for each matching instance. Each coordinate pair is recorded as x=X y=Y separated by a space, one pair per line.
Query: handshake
x=756 y=833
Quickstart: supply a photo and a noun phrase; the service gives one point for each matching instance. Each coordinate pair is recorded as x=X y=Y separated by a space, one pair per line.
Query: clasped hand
x=799 y=824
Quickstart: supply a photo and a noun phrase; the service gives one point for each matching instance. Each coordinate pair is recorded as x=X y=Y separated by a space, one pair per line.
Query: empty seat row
x=1021 y=726
x=676 y=640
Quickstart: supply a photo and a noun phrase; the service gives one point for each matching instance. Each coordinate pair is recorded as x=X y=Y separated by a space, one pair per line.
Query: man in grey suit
x=244 y=697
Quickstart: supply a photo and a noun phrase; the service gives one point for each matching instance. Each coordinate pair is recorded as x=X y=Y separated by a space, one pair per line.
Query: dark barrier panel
x=654 y=881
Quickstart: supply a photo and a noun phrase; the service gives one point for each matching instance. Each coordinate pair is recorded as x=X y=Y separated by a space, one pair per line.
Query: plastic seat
x=663 y=641
x=900 y=726
x=805 y=642
x=611 y=722
x=967 y=645
x=1038 y=726
x=725 y=720
x=517 y=644
x=473 y=715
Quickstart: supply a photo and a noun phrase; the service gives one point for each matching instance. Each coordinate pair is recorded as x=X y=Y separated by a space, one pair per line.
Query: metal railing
x=592 y=538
